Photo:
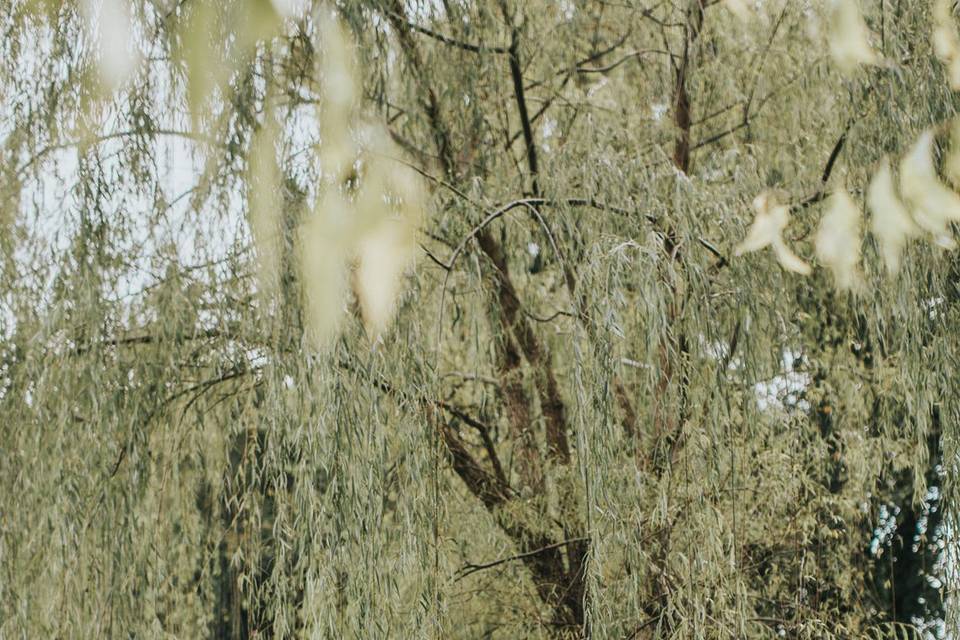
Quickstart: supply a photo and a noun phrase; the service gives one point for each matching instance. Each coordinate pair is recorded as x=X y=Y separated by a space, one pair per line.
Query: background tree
x=584 y=416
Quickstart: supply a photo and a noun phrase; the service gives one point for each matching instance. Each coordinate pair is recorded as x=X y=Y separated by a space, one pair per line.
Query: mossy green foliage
x=656 y=438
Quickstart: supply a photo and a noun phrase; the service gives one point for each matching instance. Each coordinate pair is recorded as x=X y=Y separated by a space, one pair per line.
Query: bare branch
x=517 y=76
x=471 y=568
x=466 y=46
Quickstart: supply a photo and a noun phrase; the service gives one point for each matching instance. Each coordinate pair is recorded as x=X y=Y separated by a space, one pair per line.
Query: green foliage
x=587 y=417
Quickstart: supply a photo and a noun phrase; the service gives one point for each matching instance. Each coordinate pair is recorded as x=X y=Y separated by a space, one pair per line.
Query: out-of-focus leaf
x=838 y=240
x=848 y=37
x=891 y=222
x=933 y=204
x=767 y=231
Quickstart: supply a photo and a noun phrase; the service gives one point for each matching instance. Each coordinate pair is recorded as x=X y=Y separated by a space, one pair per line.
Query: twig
x=834 y=154
x=148 y=339
x=39 y=155
x=568 y=72
x=466 y=46
x=471 y=568
x=434 y=258
x=497 y=213
x=827 y=172
x=553 y=316
x=625 y=58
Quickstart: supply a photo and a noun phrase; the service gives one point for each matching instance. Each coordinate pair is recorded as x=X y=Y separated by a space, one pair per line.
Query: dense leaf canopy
x=456 y=318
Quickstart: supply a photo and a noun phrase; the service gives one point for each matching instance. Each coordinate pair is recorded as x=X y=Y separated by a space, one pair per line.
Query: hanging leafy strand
x=406 y=318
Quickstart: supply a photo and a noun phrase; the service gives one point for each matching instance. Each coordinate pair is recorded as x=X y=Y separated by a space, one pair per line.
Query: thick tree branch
x=681 y=105
x=565 y=593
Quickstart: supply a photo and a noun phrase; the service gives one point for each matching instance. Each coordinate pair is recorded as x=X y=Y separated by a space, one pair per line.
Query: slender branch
x=149 y=339
x=39 y=155
x=568 y=72
x=761 y=58
x=517 y=75
x=553 y=316
x=731 y=348
x=489 y=489
x=717 y=137
x=546 y=202
x=470 y=377
x=821 y=193
x=471 y=568
x=434 y=259
x=474 y=471
x=751 y=93
x=834 y=154
x=625 y=58
x=543 y=108
x=706 y=244
x=647 y=14
x=524 y=202
x=465 y=46
x=747 y=115
x=718 y=112
x=207 y=384
x=431 y=103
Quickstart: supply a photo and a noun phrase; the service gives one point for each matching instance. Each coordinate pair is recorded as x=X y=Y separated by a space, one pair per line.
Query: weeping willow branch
x=95 y=140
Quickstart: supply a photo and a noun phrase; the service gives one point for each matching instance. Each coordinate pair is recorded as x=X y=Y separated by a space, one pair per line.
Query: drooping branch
x=116 y=135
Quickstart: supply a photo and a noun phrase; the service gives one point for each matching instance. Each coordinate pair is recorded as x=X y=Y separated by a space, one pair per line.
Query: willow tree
x=397 y=318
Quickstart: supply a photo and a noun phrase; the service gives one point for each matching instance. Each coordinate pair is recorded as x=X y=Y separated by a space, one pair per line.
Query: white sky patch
x=50 y=208
x=782 y=391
